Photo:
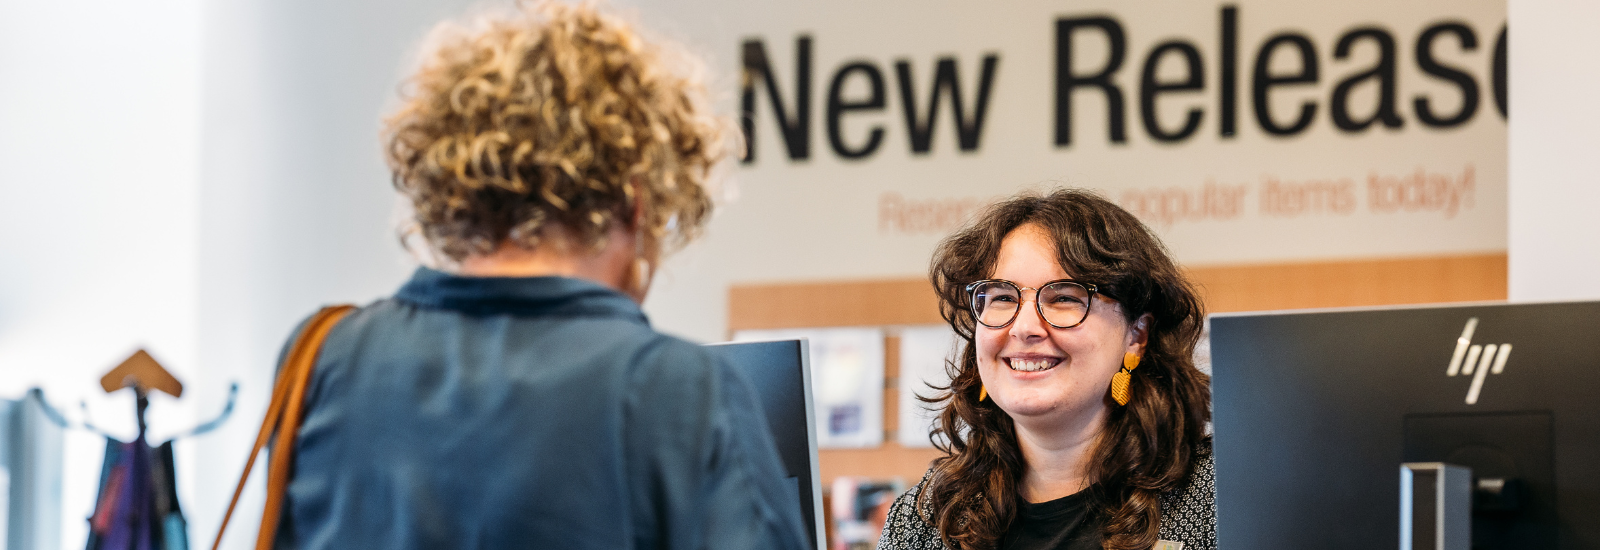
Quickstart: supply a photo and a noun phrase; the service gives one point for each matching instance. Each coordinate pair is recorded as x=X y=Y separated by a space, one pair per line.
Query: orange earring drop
x=1119 y=381
x=983 y=392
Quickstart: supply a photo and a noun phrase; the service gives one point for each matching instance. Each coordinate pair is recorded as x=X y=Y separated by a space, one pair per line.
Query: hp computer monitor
x=781 y=373
x=1316 y=411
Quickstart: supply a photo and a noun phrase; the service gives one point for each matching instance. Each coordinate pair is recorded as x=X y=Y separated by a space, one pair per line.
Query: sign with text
x=1242 y=132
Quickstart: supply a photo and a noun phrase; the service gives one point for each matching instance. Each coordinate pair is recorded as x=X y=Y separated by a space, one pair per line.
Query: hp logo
x=1476 y=361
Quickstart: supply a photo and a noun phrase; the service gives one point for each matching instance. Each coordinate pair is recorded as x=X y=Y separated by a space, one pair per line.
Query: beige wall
x=1554 y=180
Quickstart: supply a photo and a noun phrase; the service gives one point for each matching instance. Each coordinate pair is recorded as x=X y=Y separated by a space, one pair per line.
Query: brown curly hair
x=1146 y=448
x=553 y=114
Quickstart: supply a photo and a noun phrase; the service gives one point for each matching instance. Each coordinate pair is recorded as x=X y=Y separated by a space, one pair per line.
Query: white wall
x=99 y=140
x=297 y=210
x=112 y=114
x=1554 y=143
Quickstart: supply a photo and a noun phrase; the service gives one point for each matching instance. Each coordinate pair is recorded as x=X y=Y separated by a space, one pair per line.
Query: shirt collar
x=556 y=296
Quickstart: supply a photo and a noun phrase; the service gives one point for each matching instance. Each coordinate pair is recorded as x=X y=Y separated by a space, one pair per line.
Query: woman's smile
x=1032 y=363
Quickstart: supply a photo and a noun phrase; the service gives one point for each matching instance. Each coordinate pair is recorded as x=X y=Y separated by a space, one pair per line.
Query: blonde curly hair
x=552 y=114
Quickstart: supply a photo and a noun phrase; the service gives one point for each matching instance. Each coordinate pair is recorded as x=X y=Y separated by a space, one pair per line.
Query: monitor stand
x=1511 y=456
x=1435 y=506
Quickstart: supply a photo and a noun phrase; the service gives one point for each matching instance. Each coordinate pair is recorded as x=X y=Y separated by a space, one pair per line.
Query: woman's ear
x=1139 y=334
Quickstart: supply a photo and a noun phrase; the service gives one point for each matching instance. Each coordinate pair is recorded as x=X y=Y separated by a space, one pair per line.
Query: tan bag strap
x=283 y=416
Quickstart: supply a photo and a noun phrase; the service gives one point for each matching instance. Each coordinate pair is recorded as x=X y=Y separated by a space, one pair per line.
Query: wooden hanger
x=143 y=373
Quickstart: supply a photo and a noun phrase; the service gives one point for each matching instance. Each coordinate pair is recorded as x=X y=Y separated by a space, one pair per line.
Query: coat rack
x=143 y=373
x=137 y=508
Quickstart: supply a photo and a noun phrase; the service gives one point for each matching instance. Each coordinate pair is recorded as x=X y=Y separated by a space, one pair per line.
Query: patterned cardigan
x=1188 y=514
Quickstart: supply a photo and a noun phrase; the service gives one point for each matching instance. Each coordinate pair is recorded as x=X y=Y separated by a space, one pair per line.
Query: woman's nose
x=1028 y=323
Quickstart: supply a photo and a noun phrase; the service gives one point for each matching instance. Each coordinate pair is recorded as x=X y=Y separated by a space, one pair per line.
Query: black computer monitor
x=1315 y=412
x=781 y=373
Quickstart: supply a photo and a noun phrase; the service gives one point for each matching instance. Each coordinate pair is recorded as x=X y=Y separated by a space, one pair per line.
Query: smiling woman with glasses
x=1075 y=417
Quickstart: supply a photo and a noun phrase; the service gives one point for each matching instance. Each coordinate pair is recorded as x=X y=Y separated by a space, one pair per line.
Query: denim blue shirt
x=538 y=412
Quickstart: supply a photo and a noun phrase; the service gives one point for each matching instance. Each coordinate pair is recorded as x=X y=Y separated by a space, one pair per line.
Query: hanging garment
x=137 y=508
x=174 y=529
x=113 y=477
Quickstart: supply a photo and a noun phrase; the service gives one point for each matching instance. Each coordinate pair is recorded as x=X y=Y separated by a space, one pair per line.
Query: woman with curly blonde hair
x=517 y=397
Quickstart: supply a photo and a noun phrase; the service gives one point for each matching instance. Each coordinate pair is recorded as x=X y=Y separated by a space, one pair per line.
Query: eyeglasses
x=1062 y=304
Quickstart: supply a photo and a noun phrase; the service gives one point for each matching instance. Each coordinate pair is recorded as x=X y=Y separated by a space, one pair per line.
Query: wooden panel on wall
x=1224 y=288
x=832 y=304
x=1352 y=283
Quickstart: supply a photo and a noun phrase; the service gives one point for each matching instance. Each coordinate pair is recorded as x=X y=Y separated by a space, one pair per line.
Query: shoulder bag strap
x=283 y=416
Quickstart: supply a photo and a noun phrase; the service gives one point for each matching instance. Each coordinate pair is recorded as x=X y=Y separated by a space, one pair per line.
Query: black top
x=1066 y=523
x=1188 y=513
x=536 y=412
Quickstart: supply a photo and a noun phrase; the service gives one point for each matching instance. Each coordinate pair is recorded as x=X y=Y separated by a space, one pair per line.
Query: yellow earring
x=983 y=392
x=1119 y=381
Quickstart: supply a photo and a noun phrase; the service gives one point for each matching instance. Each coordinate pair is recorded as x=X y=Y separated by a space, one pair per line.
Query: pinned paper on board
x=846 y=382
x=924 y=352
